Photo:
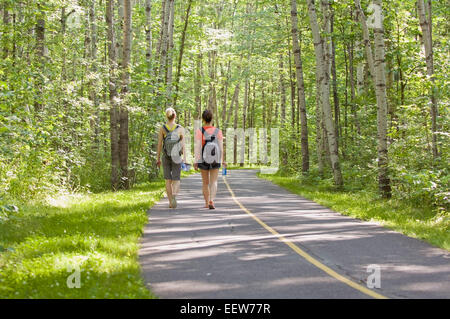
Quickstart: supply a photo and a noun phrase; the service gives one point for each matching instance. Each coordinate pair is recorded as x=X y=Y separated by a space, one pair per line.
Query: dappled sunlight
x=97 y=232
x=197 y=253
x=191 y=287
x=64 y=200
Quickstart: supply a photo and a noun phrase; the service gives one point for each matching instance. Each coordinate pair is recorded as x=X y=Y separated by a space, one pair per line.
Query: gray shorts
x=172 y=171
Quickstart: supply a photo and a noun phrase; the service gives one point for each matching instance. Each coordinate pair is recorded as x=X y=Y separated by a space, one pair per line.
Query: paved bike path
x=193 y=252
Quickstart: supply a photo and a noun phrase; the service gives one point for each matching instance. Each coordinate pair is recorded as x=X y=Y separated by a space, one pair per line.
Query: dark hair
x=207 y=116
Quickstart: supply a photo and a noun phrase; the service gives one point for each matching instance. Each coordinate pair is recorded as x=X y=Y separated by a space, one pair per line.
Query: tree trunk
x=351 y=51
x=282 y=91
x=293 y=95
x=380 y=69
x=161 y=30
x=244 y=116
x=40 y=54
x=425 y=24
x=225 y=95
x=236 y=117
x=148 y=36
x=359 y=72
x=345 y=133
x=180 y=56
x=113 y=111
x=64 y=17
x=119 y=42
x=164 y=41
x=246 y=101
x=170 y=47
x=234 y=100
x=123 y=139
x=334 y=76
x=197 y=88
x=366 y=37
x=6 y=26
x=252 y=113
x=320 y=143
x=212 y=96
x=300 y=88
x=92 y=85
x=324 y=78
x=380 y=92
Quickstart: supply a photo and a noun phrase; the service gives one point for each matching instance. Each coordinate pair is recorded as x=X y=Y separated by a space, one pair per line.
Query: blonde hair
x=170 y=113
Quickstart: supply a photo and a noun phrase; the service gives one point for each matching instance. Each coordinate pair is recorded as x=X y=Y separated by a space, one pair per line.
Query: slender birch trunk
x=233 y=101
x=377 y=64
x=225 y=95
x=425 y=24
x=113 y=111
x=334 y=76
x=95 y=121
x=40 y=53
x=197 y=87
x=236 y=118
x=359 y=72
x=119 y=42
x=282 y=91
x=300 y=88
x=64 y=17
x=180 y=56
x=124 y=138
x=366 y=37
x=161 y=30
x=324 y=86
x=164 y=41
x=320 y=143
x=170 y=46
x=148 y=36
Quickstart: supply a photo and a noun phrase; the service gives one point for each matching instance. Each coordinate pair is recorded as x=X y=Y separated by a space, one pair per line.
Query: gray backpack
x=211 y=149
x=171 y=144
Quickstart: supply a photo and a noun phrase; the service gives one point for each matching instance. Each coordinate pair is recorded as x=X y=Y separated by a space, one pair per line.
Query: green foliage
x=99 y=233
x=54 y=110
x=6 y=213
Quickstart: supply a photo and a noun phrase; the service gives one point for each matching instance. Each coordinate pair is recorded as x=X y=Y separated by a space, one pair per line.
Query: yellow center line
x=305 y=255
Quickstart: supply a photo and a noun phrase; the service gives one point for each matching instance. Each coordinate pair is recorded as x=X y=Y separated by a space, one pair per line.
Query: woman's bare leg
x=213 y=175
x=175 y=187
x=205 y=185
x=169 y=191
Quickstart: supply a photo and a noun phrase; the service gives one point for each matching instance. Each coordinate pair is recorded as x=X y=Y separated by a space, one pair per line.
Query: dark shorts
x=206 y=166
x=172 y=170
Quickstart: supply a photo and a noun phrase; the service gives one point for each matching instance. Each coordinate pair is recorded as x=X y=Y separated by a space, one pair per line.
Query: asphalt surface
x=197 y=253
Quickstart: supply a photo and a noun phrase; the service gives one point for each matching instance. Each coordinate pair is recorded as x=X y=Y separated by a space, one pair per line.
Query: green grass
x=411 y=220
x=246 y=166
x=97 y=232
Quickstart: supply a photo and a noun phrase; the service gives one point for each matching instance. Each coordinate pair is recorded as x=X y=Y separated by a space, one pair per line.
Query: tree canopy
x=359 y=89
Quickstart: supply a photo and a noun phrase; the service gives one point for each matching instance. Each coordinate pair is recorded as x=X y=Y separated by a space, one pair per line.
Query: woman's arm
x=222 y=153
x=159 y=148
x=183 y=143
x=197 y=149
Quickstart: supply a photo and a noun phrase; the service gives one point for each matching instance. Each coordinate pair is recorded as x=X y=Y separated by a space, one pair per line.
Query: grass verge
x=99 y=233
x=418 y=222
